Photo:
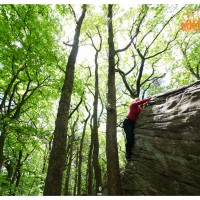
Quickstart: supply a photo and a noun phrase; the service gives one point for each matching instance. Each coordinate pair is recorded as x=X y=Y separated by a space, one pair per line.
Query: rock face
x=166 y=155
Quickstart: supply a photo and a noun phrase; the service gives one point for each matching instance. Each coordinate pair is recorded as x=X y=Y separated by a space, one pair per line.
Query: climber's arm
x=142 y=101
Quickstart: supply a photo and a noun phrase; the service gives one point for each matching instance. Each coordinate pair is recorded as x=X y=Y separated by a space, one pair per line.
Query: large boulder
x=166 y=155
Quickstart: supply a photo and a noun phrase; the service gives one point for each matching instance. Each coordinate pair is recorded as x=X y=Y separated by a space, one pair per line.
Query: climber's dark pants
x=129 y=126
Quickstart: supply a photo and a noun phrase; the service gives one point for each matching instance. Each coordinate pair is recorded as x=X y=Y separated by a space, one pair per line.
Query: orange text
x=191 y=21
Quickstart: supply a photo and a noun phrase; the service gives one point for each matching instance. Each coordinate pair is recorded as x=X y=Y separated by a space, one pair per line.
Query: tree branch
x=150 y=74
x=164 y=27
x=76 y=108
x=7 y=91
x=73 y=12
x=132 y=37
x=165 y=47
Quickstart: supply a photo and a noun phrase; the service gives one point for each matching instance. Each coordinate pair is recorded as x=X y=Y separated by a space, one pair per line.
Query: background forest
x=67 y=76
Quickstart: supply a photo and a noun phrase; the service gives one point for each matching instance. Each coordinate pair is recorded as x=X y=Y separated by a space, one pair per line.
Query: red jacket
x=135 y=109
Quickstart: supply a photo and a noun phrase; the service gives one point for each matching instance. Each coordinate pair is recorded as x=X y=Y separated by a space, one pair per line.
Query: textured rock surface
x=166 y=155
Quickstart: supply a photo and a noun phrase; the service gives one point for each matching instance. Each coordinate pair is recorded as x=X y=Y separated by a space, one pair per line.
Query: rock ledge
x=166 y=155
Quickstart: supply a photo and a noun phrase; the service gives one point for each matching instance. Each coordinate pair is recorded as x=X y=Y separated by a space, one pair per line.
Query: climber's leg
x=129 y=125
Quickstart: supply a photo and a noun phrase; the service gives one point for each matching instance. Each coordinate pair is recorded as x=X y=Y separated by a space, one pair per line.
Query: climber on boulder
x=129 y=124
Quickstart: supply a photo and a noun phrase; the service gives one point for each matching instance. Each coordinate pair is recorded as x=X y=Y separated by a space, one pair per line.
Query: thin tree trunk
x=17 y=174
x=90 y=166
x=138 y=83
x=53 y=183
x=76 y=172
x=19 y=165
x=81 y=156
x=113 y=183
x=45 y=157
x=97 y=168
x=2 y=140
x=69 y=164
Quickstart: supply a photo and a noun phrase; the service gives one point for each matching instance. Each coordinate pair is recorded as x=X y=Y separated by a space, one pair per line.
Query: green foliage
x=28 y=58
x=33 y=153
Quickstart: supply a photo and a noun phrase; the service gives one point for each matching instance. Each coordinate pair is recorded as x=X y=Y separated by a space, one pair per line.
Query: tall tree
x=53 y=183
x=97 y=168
x=114 y=187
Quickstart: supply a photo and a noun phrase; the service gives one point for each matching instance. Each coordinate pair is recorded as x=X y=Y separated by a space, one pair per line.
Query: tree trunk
x=97 y=168
x=80 y=155
x=90 y=166
x=53 y=183
x=138 y=83
x=69 y=164
x=17 y=174
x=113 y=183
x=45 y=157
x=76 y=172
x=2 y=140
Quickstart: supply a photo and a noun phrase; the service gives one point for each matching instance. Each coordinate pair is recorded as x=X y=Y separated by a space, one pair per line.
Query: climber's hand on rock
x=154 y=97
